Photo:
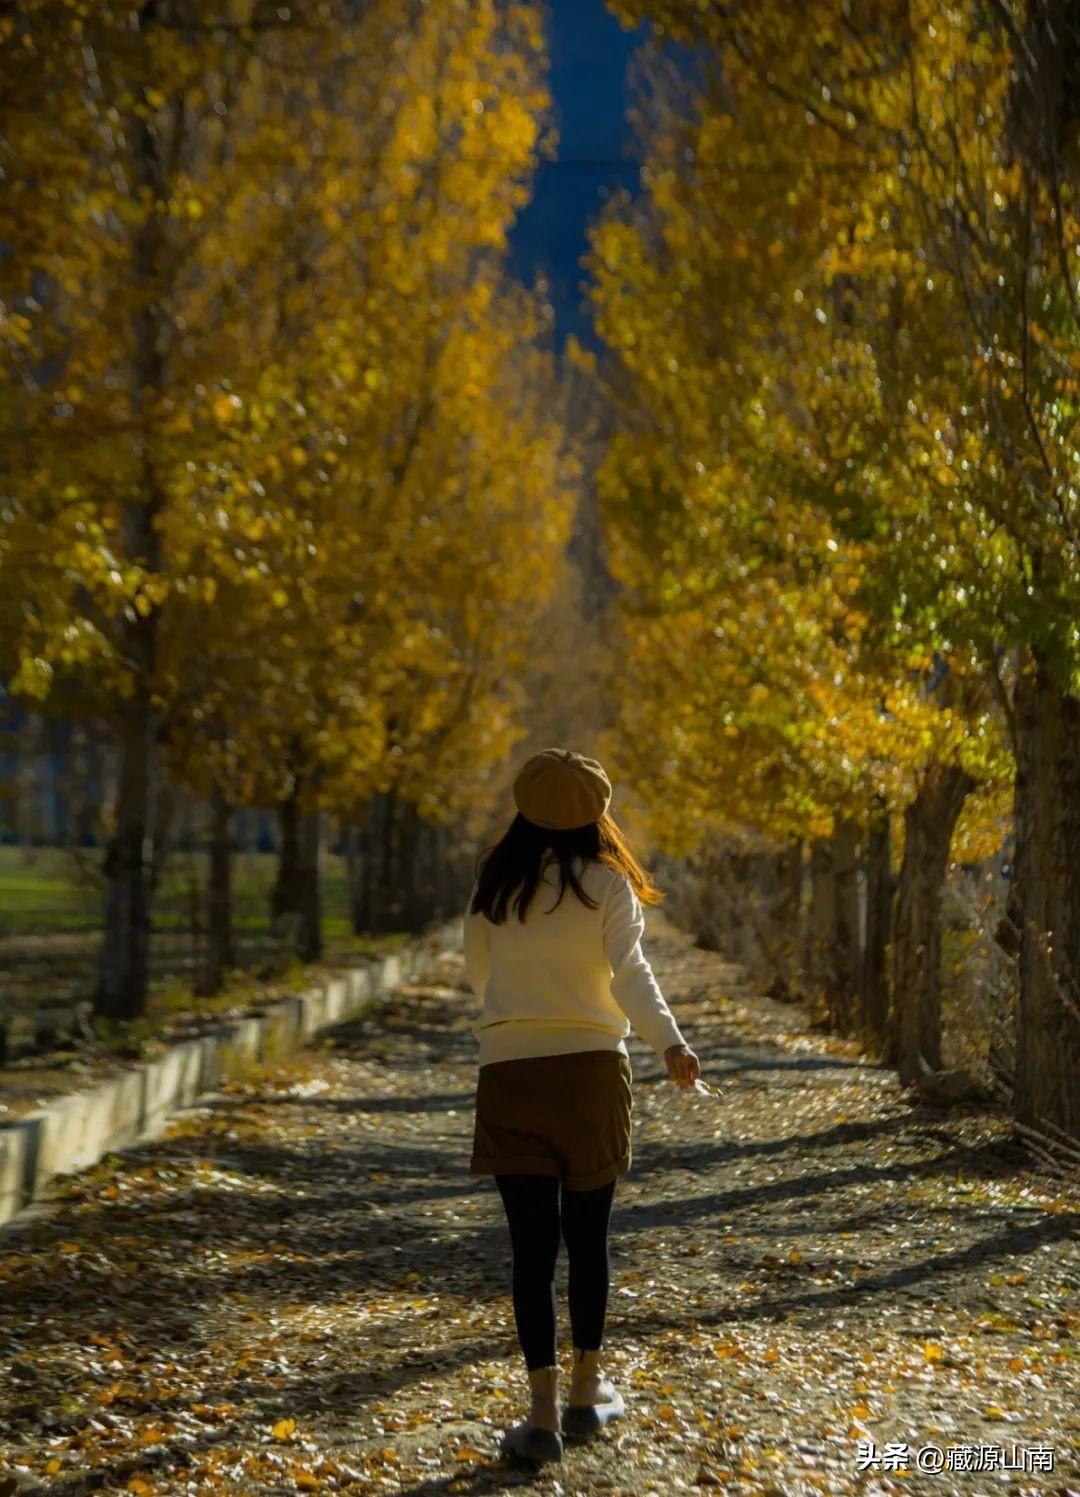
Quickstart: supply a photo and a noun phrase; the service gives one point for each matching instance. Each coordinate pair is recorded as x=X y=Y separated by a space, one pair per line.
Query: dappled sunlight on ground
x=301 y=1288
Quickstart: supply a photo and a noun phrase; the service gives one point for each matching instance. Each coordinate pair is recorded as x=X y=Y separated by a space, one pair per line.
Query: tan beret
x=561 y=790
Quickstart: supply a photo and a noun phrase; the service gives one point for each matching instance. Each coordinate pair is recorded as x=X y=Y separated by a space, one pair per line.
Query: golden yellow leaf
x=226 y=407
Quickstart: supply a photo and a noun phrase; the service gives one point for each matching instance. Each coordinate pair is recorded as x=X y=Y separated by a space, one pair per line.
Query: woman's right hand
x=682 y=1064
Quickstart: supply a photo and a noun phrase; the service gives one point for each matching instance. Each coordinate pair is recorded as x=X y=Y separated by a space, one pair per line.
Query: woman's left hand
x=682 y=1064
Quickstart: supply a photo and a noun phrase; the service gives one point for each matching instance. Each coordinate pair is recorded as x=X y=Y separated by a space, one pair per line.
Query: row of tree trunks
x=753 y=913
x=846 y=955
x=400 y=875
x=747 y=905
x=402 y=871
x=897 y=1014
x=369 y=857
x=55 y=779
x=394 y=850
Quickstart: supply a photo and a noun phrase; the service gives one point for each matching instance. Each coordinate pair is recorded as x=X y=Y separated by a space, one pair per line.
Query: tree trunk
x=707 y=899
x=310 y=944
x=820 y=924
x=162 y=819
x=760 y=900
x=220 y=954
x=844 y=962
x=384 y=904
x=430 y=904
x=740 y=933
x=769 y=902
x=353 y=881
x=879 y=898
x=124 y=967
x=295 y=901
x=283 y=898
x=929 y=820
x=444 y=890
x=386 y=864
x=407 y=889
x=363 y=914
x=125 y=947
x=787 y=916
x=1047 y=884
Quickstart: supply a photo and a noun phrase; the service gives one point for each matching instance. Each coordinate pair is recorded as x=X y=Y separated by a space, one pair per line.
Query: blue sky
x=589 y=57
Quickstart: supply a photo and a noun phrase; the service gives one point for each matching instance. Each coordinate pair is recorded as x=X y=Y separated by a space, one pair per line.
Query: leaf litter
x=300 y=1288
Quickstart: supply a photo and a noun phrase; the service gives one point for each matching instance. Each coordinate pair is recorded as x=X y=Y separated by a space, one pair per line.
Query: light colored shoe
x=536 y=1439
x=535 y=1446
x=594 y=1400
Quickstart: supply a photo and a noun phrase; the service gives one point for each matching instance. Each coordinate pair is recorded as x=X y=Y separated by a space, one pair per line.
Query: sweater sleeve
x=633 y=985
x=477 y=947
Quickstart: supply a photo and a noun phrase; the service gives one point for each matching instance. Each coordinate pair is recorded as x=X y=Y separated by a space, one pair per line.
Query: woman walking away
x=553 y=952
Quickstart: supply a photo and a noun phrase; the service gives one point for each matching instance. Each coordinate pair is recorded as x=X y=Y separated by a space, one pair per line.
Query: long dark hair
x=510 y=869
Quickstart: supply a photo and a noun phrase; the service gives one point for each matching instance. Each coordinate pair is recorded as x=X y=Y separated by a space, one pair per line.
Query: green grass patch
x=54 y=890
x=50 y=915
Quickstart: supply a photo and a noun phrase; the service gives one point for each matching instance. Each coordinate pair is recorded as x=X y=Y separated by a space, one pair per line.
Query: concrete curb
x=76 y=1131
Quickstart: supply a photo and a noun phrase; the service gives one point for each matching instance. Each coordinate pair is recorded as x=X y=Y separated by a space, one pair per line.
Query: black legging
x=534 y=1216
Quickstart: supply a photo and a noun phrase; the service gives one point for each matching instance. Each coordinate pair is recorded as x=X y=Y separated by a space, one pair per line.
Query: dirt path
x=301 y=1289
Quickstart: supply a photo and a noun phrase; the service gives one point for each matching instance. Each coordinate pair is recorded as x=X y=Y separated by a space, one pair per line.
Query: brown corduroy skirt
x=563 y=1115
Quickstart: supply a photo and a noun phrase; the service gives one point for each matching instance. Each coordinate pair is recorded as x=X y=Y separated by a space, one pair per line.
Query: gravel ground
x=301 y=1289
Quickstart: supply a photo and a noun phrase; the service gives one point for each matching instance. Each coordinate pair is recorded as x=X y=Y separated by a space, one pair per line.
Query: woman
x=553 y=953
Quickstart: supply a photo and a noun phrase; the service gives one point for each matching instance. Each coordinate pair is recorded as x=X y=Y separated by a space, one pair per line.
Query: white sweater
x=567 y=979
